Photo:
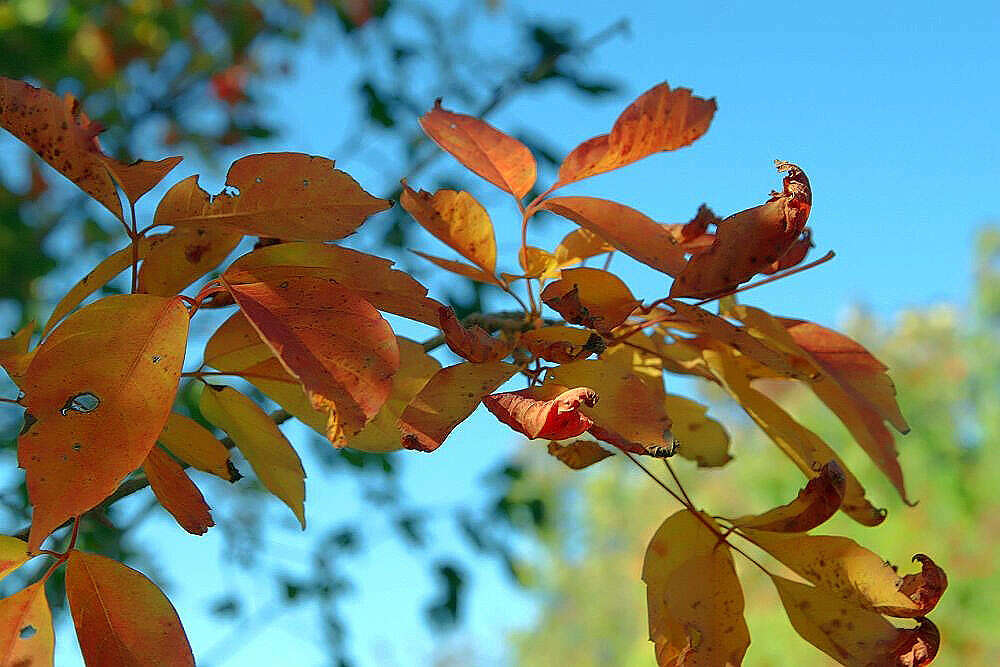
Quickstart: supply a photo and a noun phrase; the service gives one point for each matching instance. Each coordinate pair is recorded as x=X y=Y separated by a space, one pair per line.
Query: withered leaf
x=544 y=412
x=579 y=454
x=471 y=343
x=594 y=298
x=560 y=344
x=197 y=446
x=817 y=502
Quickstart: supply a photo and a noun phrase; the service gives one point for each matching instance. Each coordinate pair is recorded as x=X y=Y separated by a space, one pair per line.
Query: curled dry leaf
x=660 y=119
x=594 y=298
x=856 y=574
x=851 y=635
x=195 y=445
x=471 y=343
x=177 y=493
x=121 y=617
x=176 y=259
x=269 y=453
x=328 y=336
x=544 y=412
x=456 y=218
x=61 y=134
x=560 y=344
x=817 y=502
x=750 y=241
x=579 y=454
x=26 y=634
x=372 y=277
x=285 y=195
x=500 y=159
x=447 y=400
x=635 y=234
x=78 y=400
x=692 y=235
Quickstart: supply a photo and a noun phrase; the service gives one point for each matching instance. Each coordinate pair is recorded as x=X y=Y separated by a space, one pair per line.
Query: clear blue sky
x=889 y=107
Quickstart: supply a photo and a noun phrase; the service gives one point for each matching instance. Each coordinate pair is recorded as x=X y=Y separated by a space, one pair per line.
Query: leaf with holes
x=283 y=195
x=817 y=502
x=591 y=297
x=26 y=635
x=177 y=493
x=547 y=411
x=78 y=400
x=121 y=617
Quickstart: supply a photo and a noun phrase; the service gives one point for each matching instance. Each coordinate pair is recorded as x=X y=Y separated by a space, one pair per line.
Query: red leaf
x=527 y=411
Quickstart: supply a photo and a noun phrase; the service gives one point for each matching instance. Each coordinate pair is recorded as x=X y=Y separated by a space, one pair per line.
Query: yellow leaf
x=283 y=195
x=456 y=218
x=270 y=454
x=26 y=635
x=77 y=401
x=14 y=355
x=578 y=245
x=182 y=255
x=195 y=445
x=13 y=554
x=537 y=263
x=701 y=438
x=579 y=454
x=464 y=270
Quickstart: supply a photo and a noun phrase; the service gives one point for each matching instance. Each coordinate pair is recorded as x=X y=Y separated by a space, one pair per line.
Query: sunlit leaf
x=78 y=401
x=579 y=245
x=635 y=234
x=464 y=270
x=537 y=263
x=285 y=195
x=471 y=343
x=26 y=635
x=450 y=396
x=543 y=412
x=176 y=259
x=121 y=617
x=456 y=218
x=272 y=457
x=13 y=554
x=197 y=446
x=500 y=159
x=700 y=438
x=817 y=502
x=591 y=297
x=561 y=344
x=579 y=454
x=177 y=493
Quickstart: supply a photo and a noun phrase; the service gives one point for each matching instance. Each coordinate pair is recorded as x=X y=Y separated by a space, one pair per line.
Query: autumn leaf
x=176 y=259
x=591 y=297
x=456 y=218
x=794 y=255
x=537 y=263
x=286 y=195
x=856 y=574
x=817 y=502
x=62 y=135
x=77 y=400
x=14 y=354
x=579 y=245
x=750 y=241
x=700 y=438
x=121 y=617
x=197 y=446
x=26 y=635
x=471 y=343
x=328 y=336
x=450 y=396
x=543 y=412
x=851 y=635
x=177 y=493
x=460 y=268
x=694 y=598
x=372 y=277
x=269 y=453
x=561 y=344
x=13 y=554
x=635 y=234
x=579 y=454
x=500 y=159
x=660 y=119
x=693 y=235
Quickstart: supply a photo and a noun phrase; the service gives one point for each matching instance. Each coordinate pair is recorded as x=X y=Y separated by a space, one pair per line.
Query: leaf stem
x=134 y=235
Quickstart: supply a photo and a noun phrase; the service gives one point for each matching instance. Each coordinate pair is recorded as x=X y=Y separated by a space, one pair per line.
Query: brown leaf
x=561 y=344
x=854 y=636
x=635 y=234
x=471 y=343
x=500 y=159
x=579 y=454
x=594 y=298
x=750 y=241
x=543 y=412
x=456 y=218
x=817 y=502
x=447 y=400
x=660 y=119
x=794 y=255
x=285 y=195
x=177 y=493
x=176 y=259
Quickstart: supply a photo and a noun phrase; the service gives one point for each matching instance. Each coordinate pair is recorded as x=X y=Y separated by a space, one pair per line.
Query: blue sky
x=889 y=107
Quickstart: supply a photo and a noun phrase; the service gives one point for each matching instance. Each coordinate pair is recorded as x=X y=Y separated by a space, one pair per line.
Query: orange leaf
x=531 y=411
x=794 y=255
x=121 y=617
x=284 y=195
x=579 y=454
x=660 y=119
x=177 y=493
x=77 y=401
x=26 y=634
x=700 y=438
x=856 y=574
x=561 y=344
x=326 y=335
x=464 y=270
x=456 y=218
x=14 y=354
x=635 y=234
x=854 y=636
x=269 y=453
x=450 y=396
x=690 y=234
x=372 y=277
x=591 y=297
x=578 y=245
x=694 y=599
x=176 y=259
x=471 y=343
x=59 y=132
x=750 y=241
x=817 y=502
x=502 y=160
x=195 y=445
x=13 y=554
